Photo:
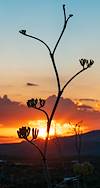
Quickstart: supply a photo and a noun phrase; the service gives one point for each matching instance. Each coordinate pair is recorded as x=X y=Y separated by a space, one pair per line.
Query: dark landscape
x=21 y=165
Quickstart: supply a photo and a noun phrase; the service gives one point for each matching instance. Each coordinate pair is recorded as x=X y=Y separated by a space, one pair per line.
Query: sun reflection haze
x=56 y=129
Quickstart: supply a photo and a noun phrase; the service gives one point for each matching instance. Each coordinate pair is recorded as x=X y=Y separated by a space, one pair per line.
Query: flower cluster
x=22 y=32
x=25 y=131
x=86 y=63
x=35 y=103
x=35 y=132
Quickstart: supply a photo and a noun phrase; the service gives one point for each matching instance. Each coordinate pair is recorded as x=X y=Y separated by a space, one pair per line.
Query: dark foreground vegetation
x=18 y=173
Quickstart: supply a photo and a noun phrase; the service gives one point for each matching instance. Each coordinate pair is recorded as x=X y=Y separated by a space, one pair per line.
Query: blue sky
x=24 y=60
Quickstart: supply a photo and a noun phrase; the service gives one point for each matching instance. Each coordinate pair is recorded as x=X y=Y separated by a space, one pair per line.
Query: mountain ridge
x=90 y=146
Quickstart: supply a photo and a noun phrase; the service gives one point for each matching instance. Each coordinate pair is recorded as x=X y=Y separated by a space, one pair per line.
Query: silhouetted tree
x=39 y=104
x=78 y=138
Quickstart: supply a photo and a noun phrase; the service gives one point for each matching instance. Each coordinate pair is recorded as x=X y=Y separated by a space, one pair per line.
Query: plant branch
x=47 y=116
x=44 y=162
x=64 y=27
x=56 y=104
x=50 y=119
x=51 y=55
x=56 y=72
x=36 y=39
x=41 y=153
x=73 y=78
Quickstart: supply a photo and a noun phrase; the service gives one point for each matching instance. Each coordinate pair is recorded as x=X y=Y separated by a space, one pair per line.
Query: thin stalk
x=46 y=114
x=72 y=78
x=47 y=175
x=38 y=40
x=45 y=165
x=40 y=151
x=64 y=27
x=51 y=56
x=55 y=107
x=56 y=72
x=80 y=146
x=50 y=119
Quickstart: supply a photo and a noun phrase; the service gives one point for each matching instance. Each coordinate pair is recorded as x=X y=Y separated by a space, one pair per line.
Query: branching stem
x=59 y=94
x=38 y=40
x=40 y=151
x=56 y=104
x=73 y=78
x=44 y=162
x=64 y=27
x=46 y=114
x=56 y=72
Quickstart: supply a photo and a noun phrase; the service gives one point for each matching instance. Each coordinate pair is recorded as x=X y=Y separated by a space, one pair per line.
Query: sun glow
x=56 y=129
x=41 y=125
x=9 y=135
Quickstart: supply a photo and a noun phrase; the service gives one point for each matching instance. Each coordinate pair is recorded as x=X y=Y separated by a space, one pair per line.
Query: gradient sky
x=25 y=67
x=25 y=60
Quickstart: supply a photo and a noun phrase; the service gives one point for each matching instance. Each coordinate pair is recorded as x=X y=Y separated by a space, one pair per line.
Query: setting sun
x=56 y=129
x=41 y=125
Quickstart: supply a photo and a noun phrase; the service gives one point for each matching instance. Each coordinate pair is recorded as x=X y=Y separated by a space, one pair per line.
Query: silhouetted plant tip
x=86 y=63
x=35 y=132
x=22 y=32
x=23 y=132
x=78 y=139
x=42 y=102
x=36 y=103
x=70 y=15
x=32 y=103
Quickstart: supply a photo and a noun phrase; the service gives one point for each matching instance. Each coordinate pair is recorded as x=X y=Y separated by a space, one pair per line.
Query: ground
x=16 y=173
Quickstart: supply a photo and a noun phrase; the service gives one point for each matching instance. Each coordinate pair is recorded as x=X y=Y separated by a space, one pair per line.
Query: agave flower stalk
x=24 y=133
x=39 y=104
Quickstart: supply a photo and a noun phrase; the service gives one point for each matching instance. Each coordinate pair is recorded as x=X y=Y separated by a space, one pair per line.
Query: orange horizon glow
x=56 y=129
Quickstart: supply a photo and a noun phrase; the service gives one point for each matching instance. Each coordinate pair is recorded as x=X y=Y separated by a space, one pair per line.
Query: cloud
x=94 y=103
x=85 y=108
x=68 y=111
x=90 y=100
x=31 y=84
x=14 y=114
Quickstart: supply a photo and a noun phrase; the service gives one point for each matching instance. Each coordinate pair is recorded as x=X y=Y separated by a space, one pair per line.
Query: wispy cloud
x=31 y=84
x=89 y=99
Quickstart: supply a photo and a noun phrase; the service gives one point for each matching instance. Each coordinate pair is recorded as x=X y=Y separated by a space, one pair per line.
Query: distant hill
x=64 y=145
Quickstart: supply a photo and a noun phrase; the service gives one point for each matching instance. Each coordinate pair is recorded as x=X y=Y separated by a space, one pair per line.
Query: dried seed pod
x=22 y=31
x=23 y=132
x=35 y=132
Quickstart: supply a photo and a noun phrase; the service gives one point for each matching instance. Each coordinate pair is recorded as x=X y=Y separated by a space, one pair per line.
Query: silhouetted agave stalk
x=24 y=133
x=38 y=104
x=78 y=138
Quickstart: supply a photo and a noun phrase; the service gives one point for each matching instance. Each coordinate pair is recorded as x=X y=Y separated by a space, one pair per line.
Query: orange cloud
x=15 y=114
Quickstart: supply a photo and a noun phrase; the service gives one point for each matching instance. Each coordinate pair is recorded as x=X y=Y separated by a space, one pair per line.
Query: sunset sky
x=24 y=60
